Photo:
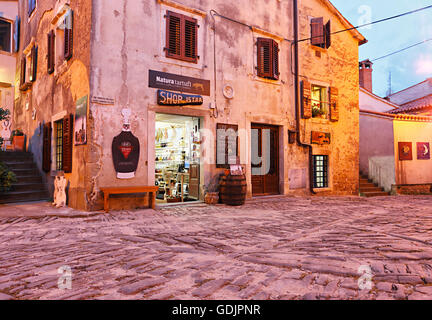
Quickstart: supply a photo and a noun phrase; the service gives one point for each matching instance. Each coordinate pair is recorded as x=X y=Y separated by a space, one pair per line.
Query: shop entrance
x=177 y=158
x=265 y=168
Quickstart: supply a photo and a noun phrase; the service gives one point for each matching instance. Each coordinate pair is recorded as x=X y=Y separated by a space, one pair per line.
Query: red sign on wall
x=423 y=151
x=405 y=150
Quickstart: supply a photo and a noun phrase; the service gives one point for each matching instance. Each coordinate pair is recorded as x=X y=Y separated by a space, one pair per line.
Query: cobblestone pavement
x=270 y=248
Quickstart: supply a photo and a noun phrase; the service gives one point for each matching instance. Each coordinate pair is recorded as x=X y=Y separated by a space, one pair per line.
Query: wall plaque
x=405 y=150
x=320 y=137
x=423 y=151
x=175 y=82
x=168 y=98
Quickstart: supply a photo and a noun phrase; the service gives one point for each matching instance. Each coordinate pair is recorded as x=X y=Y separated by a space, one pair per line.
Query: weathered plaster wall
x=412 y=171
x=336 y=67
x=54 y=93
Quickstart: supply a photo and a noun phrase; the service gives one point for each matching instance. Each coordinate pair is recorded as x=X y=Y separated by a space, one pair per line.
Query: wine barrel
x=233 y=189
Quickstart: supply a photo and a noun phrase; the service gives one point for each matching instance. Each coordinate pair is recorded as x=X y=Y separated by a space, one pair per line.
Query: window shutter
x=275 y=60
x=334 y=110
x=50 y=54
x=264 y=57
x=68 y=36
x=173 y=35
x=306 y=102
x=16 y=36
x=317 y=32
x=190 y=39
x=327 y=30
x=46 y=152
x=67 y=143
x=33 y=71
x=23 y=71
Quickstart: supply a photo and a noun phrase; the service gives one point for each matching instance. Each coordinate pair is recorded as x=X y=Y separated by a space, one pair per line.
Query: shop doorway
x=265 y=166
x=177 y=158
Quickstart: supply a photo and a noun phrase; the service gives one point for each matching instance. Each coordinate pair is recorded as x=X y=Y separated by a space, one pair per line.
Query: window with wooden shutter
x=46 y=152
x=320 y=33
x=16 y=34
x=327 y=31
x=267 y=58
x=68 y=35
x=334 y=110
x=306 y=100
x=67 y=143
x=226 y=145
x=181 y=37
x=50 y=52
x=23 y=72
x=33 y=69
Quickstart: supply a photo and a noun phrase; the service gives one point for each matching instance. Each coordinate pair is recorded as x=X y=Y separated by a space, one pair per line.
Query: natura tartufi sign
x=175 y=82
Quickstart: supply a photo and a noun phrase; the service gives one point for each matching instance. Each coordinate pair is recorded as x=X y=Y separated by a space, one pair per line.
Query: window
x=51 y=52
x=31 y=6
x=320 y=33
x=181 y=37
x=59 y=145
x=5 y=35
x=319 y=101
x=320 y=171
x=267 y=58
x=28 y=67
x=226 y=145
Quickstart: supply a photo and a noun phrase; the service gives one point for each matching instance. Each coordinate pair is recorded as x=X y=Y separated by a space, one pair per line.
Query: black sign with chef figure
x=175 y=82
x=168 y=98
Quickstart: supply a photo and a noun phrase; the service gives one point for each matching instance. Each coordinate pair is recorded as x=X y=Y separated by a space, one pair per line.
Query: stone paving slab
x=270 y=248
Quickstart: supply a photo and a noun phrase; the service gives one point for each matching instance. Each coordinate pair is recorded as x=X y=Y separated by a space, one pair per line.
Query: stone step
x=27 y=164
x=372 y=188
x=367 y=185
x=11 y=156
x=23 y=196
x=23 y=186
x=26 y=172
x=29 y=179
x=374 y=194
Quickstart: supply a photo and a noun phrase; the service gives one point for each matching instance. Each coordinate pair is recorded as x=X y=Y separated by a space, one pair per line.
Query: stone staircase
x=370 y=189
x=30 y=186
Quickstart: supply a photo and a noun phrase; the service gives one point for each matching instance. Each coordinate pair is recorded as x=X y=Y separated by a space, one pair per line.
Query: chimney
x=365 y=74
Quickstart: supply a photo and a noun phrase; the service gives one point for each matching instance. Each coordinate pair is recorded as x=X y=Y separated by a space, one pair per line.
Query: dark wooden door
x=265 y=164
x=194 y=174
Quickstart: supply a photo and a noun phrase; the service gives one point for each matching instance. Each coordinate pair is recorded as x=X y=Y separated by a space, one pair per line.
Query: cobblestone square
x=270 y=248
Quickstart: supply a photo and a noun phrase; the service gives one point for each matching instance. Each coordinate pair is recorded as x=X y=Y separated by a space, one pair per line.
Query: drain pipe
x=296 y=95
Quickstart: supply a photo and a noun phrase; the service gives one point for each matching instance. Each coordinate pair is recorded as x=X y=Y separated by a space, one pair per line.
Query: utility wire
x=390 y=54
x=378 y=21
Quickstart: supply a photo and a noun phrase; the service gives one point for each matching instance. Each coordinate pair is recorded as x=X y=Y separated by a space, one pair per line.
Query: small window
x=28 y=68
x=5 y=35
x=31 y=6
x=181 y=37
x=320 y=33
x=59 y=144
x=319 y=101
x=226 y=145
x=267 y=58
x=320 y=171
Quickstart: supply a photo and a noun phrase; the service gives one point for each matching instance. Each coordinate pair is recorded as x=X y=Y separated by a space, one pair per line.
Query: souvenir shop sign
x=168 y=98
x=405 y=150
x=423 y=151
x=175 y=82
x=320 y=137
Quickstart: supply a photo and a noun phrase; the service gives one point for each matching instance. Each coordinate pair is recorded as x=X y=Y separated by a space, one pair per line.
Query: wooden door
x=194 y=174
x=265 y=170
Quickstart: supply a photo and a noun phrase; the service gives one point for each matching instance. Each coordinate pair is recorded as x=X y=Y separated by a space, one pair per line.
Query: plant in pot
x=211 y=191
x=7 y=177
x=318 y=112
x=18 y=140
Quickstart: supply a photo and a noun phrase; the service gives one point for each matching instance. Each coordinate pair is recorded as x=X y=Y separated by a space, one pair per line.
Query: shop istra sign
x=168 y=98
x=320 y=137
x=175 y=82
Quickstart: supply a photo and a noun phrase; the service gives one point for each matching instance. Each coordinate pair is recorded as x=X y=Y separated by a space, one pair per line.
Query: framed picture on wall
x=423 y=151
x=80 y=127
x=405 y=150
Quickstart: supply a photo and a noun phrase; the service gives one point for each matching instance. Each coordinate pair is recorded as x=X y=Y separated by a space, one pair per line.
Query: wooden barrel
x=233 y=189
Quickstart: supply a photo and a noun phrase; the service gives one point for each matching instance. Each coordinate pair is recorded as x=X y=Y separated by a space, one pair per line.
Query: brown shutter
x=334 y=109
x=264 y=57
x=67 y=143
x=275 y=60
x=34 y=56
x=23 y=71
x=46 y=152
x=68 y=36
x=173 y=35
x=317 y=31
x=327 y=30
x=306 y=99
x=50 y=53
x=190 y=39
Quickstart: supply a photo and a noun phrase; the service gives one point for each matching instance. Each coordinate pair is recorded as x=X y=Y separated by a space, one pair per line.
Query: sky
x=408 y=67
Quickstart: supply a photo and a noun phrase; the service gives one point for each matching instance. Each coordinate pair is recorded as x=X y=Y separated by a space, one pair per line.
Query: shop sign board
x=175 y=82
x=169 y=98
x=423 y=151
x=405 y=150
x=320 y=137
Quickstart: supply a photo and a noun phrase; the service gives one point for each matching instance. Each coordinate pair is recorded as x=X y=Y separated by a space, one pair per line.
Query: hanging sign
x=169 y=81
x=423 y=151
x=320 y=137
x=168 y=98
x=405 y=150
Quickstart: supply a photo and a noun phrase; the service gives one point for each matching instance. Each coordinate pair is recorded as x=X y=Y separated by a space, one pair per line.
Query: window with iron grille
x=59 y=145
x=320 y=171
x=181 y=37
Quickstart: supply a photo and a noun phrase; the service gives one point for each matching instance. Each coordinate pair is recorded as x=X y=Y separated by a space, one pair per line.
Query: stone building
x=9 y=34
x=171 y=93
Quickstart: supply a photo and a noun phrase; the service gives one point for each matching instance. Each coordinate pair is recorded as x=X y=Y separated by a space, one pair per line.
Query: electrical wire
x=406 y=48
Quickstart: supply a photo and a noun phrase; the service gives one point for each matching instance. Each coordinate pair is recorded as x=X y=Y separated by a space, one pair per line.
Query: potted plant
x=211 y=191
x=18 y=140
x=318 y=112
x=7 y=177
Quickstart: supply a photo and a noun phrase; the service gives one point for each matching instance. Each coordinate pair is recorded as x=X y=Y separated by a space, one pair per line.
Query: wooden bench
x=151 y=190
